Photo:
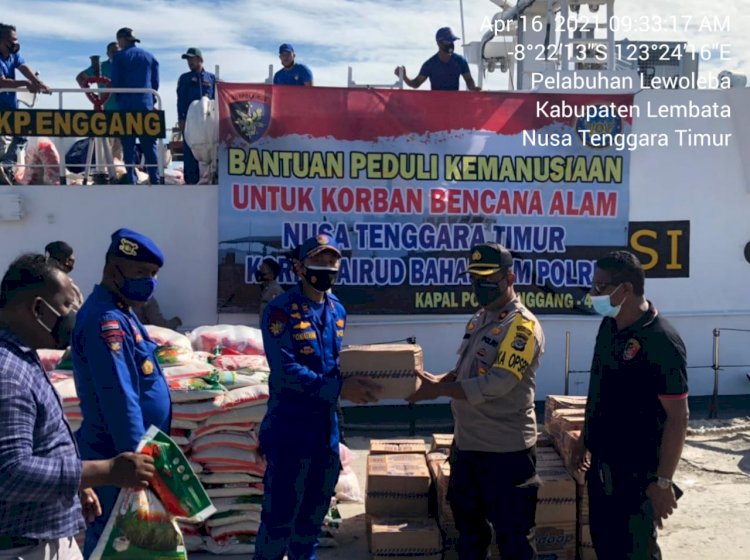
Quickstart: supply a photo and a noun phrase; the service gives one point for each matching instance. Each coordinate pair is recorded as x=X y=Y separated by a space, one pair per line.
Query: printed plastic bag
x=142 y=525
x=224 y=339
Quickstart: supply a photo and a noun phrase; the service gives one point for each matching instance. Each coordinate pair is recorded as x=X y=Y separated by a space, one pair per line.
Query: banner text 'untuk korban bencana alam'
x=406 y=182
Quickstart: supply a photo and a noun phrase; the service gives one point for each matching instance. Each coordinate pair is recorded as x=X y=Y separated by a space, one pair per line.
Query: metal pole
x=713 y=408
x=463 y=29
x=567 y=363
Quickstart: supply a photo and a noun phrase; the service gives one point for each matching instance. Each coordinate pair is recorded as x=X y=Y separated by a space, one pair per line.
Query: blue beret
x=129 y=244
x=318 y=244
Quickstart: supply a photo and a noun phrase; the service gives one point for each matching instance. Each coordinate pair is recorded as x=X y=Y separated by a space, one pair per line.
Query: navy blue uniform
x=132 y=67
x=191 y=87
x=299 y=435
x=444 y=75
x=121 y=386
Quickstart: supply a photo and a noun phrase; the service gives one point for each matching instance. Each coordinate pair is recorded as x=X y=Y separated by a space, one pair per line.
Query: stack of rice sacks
x=218 y=380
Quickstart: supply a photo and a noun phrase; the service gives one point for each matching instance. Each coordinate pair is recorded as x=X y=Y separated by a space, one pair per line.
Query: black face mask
x=447 y=48
x=487 y=292
x=62 y=329
x=13 y=47
x=321 y=277
x=259 y=276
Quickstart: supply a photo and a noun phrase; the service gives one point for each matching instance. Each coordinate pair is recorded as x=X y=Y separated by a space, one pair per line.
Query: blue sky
x=242 y=36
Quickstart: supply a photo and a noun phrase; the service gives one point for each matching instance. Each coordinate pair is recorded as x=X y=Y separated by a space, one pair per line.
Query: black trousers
x=498 y=490
x=622 y=519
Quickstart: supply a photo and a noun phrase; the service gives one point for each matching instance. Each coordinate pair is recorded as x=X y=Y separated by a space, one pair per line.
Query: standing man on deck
x=192 y=86
x=132 y=67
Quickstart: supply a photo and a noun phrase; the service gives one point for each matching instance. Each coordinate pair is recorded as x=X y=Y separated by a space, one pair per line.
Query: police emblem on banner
x=250 y=118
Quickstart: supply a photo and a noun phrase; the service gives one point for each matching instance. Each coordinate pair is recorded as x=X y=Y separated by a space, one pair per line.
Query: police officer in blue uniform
x=299 y=436
x=192 y=86
x=132 y=67
x=121 y=386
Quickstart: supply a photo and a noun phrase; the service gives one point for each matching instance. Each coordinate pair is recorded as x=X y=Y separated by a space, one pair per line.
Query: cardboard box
x=557 y=497
x=441 y=441
x=397 y=484
x=585 y=544
x=556 y=542
x=559 y=402
x=394 y=446
x=396 y=538
x=569 y=446
x=390 y=365
x=582 y=503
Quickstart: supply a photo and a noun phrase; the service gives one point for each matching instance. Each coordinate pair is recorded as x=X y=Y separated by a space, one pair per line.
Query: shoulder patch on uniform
x=306 y=350
x=340 y=323
x=517 y=347
x=277 y=321
x=112 y=333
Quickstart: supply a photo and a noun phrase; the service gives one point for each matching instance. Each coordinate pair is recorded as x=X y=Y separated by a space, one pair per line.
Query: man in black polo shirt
x=636 y=414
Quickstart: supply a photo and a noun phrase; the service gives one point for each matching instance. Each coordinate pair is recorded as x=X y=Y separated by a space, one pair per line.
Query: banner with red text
x=408 y=181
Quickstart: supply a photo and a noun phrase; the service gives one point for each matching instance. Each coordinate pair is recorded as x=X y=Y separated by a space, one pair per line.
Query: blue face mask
x=603 y=306
x=137 y=289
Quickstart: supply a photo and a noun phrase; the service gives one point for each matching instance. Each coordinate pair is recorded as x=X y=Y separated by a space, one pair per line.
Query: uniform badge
x=128 y=248
x=496 y=331
x=276 y=328
x=302 y=325
x=340 y=323
x=476 y=256
x=321 y=239
x=277 y=320
x=114 y=346
x=632 y=347
x=109 y=326
x=503 y=315
x=482 y=353
x=307 y=350
x=482 y=371
x=295 y=307
x=147 y=367
x=471 y=326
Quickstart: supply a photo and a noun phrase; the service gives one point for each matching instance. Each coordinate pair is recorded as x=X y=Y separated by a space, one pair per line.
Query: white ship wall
x=709 y=187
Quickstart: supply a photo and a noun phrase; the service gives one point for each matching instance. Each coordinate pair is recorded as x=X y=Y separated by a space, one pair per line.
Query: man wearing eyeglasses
x=636 y=414
x=444 y=68
x=292 y=73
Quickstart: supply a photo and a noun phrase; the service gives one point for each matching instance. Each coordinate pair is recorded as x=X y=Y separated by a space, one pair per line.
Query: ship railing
x=100 y=146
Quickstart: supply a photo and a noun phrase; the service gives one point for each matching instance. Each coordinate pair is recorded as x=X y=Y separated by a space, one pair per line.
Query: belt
x=7 y=543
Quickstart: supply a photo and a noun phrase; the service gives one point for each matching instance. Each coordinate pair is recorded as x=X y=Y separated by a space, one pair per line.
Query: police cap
x=488 y=258
x=134 y=246
x=318 y=244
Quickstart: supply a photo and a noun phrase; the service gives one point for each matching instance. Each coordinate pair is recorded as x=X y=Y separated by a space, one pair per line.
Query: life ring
x=98 y=99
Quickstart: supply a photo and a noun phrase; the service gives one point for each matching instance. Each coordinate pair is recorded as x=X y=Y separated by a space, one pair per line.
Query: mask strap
x=39 y=320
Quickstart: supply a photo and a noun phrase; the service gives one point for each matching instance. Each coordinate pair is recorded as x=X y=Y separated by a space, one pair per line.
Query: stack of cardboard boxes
x=397 y=502
x=564 y=419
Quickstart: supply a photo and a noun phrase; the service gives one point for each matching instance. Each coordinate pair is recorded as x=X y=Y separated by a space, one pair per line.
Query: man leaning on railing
x=10 y=60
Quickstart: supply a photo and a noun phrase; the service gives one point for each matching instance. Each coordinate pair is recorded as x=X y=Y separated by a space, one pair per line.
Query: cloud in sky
x=242 y=36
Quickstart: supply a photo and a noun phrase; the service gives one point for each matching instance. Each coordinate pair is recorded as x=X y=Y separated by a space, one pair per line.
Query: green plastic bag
x=143 y=524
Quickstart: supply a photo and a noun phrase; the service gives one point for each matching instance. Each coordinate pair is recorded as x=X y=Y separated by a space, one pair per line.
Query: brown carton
x=558 y=402
x=556 y=541
x=390 y=365
x=557 y=497
x=397 y=484
x=393 y=446
x=441 y=441
x=396 y=538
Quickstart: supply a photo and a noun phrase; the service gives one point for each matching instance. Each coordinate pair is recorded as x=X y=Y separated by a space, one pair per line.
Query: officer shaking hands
x=299 y=436
x=120 y=383
x=493 y=460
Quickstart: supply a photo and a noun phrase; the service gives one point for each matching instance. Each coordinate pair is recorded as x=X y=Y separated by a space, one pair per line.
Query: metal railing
x=716 y=366
x=61 y=92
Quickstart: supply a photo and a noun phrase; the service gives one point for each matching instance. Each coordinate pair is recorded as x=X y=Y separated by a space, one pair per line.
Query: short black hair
x=28 y=272
x=273 y=265
x=624 y=266
x=5 y=29
x=59 y=250
x=112 y=44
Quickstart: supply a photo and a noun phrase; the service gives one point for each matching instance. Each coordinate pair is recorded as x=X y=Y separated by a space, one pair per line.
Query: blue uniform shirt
x=121 y=385
x=297 y=75
x=133 y=67
x=444 y=75
x=8 y=70
x=191 y=87
x=302 y=344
